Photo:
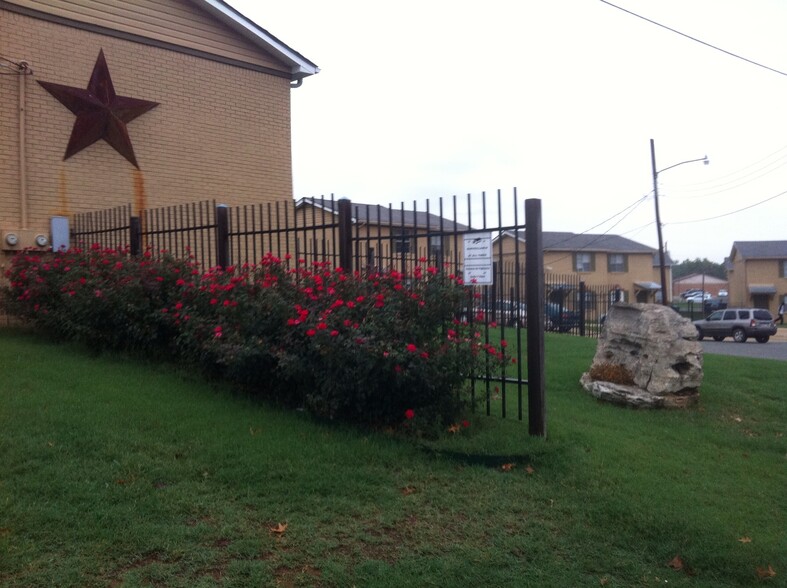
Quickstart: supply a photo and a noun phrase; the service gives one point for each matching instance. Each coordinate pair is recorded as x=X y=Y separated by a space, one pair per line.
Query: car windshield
x=716 y=316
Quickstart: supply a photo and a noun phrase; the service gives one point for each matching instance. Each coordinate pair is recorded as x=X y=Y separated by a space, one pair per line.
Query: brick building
x=210 y=115
x=757 y=271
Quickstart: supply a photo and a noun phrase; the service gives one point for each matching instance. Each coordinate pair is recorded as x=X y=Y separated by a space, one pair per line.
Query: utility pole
x=662 y=265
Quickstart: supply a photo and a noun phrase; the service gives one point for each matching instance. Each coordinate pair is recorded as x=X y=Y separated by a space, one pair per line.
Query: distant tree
x=699 y=266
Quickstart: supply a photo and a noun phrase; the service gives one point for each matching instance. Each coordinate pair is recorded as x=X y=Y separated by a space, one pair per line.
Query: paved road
x=770 y=350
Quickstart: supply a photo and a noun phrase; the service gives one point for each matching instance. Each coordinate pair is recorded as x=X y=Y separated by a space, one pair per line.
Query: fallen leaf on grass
x=254 y=431
x=453 y=428
x=507 y=467
x=279 y=528
x=407 y=490
x=530 y=469
x=603 y=581
x=764 y=573
x=676 y=563
x=745 y=539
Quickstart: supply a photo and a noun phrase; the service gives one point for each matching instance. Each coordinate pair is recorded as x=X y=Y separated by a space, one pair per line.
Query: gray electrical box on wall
x=60 y=236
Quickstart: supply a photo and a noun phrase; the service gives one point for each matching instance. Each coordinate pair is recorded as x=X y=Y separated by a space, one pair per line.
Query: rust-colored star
x=101 y=114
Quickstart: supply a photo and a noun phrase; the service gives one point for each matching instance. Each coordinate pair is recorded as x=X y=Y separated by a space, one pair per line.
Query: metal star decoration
x=101 y=114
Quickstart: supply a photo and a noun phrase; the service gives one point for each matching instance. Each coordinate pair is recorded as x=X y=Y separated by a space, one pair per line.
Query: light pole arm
x=705 y=160
x=662 y=263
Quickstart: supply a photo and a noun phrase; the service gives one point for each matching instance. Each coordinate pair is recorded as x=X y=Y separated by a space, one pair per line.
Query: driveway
x=776 y=348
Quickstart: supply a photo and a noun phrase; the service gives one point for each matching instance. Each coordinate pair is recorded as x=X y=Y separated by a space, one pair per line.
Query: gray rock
x=647 y=356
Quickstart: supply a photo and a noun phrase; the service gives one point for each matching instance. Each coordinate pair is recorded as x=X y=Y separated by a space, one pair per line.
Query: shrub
x=102 y=298
x=368 y=349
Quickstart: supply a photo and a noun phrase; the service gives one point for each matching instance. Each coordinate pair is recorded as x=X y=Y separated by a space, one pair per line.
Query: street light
x=662 y=264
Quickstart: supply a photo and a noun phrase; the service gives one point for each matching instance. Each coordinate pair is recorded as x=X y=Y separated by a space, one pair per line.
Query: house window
x=584 y=262
x=617 y=262
x=435 y=246
x=783 y=268
x=401 y=240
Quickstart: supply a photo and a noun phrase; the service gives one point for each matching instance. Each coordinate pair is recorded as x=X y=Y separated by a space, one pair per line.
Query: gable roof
x=385 y=215
x=604 y=243
x=759 y=249
x=592 y=243
x=168 y=24
x=300 y=66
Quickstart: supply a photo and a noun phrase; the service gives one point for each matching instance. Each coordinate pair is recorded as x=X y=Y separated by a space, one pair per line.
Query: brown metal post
x=582 y=307
x=222 y=236
x=534 y=295
x=345 y=235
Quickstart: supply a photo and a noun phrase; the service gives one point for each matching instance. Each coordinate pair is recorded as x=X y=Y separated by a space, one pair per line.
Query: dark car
x=712 y=304
x=560 y=318
x=513 y=314
x=738 y=323
x=505 y=312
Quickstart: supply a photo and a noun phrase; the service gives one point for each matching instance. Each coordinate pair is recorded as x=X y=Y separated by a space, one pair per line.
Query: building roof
x=300 y=67
x=697 y=279
x=593 y=243
x=386 y=216
x=759 y=249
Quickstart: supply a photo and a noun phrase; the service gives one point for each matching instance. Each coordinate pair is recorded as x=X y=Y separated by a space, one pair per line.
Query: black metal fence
x=369 y=238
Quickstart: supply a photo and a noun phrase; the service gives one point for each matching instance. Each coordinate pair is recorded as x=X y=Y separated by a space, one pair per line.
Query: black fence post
x=135 y=235
x=534 y=295
x=222 y=236
x=582 y=310
x=345 y=235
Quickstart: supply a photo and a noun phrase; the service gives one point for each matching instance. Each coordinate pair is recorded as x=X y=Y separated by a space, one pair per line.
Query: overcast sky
x=418 y=99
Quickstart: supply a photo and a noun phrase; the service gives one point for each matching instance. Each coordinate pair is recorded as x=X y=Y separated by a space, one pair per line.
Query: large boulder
x=647 y=356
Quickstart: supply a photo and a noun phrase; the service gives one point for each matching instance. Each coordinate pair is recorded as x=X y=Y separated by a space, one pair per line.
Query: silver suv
x=738 y=323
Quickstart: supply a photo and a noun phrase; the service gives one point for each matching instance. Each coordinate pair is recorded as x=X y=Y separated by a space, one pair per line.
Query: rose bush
x=360 y=348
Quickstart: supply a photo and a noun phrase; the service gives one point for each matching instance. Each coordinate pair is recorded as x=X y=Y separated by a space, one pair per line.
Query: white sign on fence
x=478 y=259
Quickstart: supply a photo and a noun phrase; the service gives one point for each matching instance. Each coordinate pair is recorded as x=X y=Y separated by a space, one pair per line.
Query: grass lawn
x=120 y=473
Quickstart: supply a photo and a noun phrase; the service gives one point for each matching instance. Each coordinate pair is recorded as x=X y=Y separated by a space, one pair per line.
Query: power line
x=744 y=168
x=631 y=208
x=730 y=53
x=702 y=220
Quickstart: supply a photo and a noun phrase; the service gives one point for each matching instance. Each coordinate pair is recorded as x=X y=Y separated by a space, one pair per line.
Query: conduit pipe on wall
x=23 y=73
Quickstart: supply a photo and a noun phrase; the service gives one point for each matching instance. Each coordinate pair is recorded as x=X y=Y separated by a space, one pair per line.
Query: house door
x=760 y=300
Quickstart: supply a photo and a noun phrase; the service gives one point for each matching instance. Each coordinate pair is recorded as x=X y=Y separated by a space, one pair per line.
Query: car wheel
x=762 y=339
x=700 y=334
x=739 y=335
x=718 y=338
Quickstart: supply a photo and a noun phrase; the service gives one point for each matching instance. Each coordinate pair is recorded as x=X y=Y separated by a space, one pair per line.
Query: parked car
x=512 y=314
x=560 y=318
x=738 y=323
x=698 y=297
x=723 y=293
x=712 y=304
x=505 y=312
x=690 y=292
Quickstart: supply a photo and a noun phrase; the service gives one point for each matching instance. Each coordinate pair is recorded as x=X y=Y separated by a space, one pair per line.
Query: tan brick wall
x=220 y=131
x=758 y=271
x=640 y=268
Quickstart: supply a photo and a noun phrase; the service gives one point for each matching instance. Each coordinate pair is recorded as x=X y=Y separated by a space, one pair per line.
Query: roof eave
x=300 y=67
